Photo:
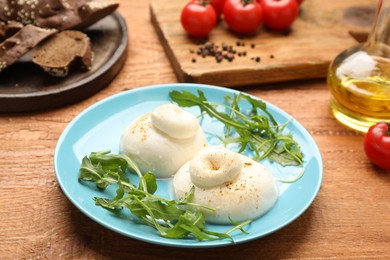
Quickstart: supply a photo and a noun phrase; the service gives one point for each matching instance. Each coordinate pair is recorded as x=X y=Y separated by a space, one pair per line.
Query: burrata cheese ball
x=231 y=183
x=163 y=140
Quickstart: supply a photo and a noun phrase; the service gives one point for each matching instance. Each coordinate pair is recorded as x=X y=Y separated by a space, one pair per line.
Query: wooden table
x=349 y=219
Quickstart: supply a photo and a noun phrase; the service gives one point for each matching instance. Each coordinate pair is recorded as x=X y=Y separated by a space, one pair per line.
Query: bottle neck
x=380 y=30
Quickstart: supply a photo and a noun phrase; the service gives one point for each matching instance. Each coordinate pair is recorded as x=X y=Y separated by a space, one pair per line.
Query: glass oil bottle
x=359 y=77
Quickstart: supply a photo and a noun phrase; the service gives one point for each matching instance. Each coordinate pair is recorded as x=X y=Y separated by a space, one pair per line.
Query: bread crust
x=20 y=19
x=64 y=51
x=14 y=47
x=57 y=14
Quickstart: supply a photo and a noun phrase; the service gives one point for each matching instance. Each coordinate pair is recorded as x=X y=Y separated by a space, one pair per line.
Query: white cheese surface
x=162 y=141
x=241 y=192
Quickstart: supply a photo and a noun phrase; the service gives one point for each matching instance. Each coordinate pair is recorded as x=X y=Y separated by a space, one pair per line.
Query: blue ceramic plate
x=100 y=126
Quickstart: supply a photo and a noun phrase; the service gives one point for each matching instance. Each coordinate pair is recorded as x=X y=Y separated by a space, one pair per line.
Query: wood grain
x=349 y=219
x=323 y=29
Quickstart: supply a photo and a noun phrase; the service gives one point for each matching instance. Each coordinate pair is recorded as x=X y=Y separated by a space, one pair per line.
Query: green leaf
x=184 y=98
x=194 y=223
x=120 y=192
x=258 y=104
x=166 y=216
x=109 y=162
x=283 y=159
x=108 y=203
x=255 y=129
x=151 y=183
x=185 y=221
x=89 y=172
x=159 y=210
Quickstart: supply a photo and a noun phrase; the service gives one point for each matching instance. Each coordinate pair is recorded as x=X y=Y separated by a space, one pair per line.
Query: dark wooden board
x=322 y=30
x=25 y=87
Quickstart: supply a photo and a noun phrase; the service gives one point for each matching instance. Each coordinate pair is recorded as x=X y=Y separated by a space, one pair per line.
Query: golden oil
x=360 y=85
x=359 y=77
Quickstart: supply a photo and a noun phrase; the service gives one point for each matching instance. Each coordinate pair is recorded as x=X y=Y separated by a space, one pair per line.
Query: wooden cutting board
x=322 y=30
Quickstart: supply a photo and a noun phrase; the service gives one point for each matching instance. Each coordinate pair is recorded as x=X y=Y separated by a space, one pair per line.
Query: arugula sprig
x=253 y=128
x=167 y=216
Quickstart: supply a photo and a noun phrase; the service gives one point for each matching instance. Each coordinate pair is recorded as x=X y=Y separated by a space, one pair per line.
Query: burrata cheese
x=163 y=140
x=231 y=183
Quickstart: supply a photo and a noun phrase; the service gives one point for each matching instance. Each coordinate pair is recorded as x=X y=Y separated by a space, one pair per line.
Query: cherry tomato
x=242 y=16
x=198 y=18
x=377 y=145
x=279 y=14
x=218 y=6
x=299 y=2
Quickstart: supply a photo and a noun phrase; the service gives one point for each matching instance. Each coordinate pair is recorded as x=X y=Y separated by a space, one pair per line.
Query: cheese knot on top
x=163 y=140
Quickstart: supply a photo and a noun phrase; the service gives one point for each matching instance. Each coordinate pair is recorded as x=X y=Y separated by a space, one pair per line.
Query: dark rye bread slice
x=64 y=51
x=58 y=14
x=14 y=47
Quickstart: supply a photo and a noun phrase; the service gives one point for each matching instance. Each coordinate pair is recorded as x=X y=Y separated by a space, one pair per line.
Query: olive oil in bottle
x=359 y=78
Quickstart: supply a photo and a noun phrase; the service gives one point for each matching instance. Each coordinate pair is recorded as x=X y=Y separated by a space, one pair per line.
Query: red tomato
x=218 y=6
x=377 y=145
x=198 y=18
x=242 y=16
x=279 y=14
x=299 y=2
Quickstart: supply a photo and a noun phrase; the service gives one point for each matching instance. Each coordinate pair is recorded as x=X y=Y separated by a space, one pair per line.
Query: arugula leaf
x=254 y=128
x=102 y=174
x=160 y=210
x=193 y=223
x=167 y=216
x=151 y=183
x=187 y=99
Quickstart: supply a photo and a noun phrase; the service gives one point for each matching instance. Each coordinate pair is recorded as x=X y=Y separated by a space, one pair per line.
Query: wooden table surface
x=349 y=219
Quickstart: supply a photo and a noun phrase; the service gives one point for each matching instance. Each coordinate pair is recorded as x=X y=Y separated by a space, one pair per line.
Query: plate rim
x=171 y=242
